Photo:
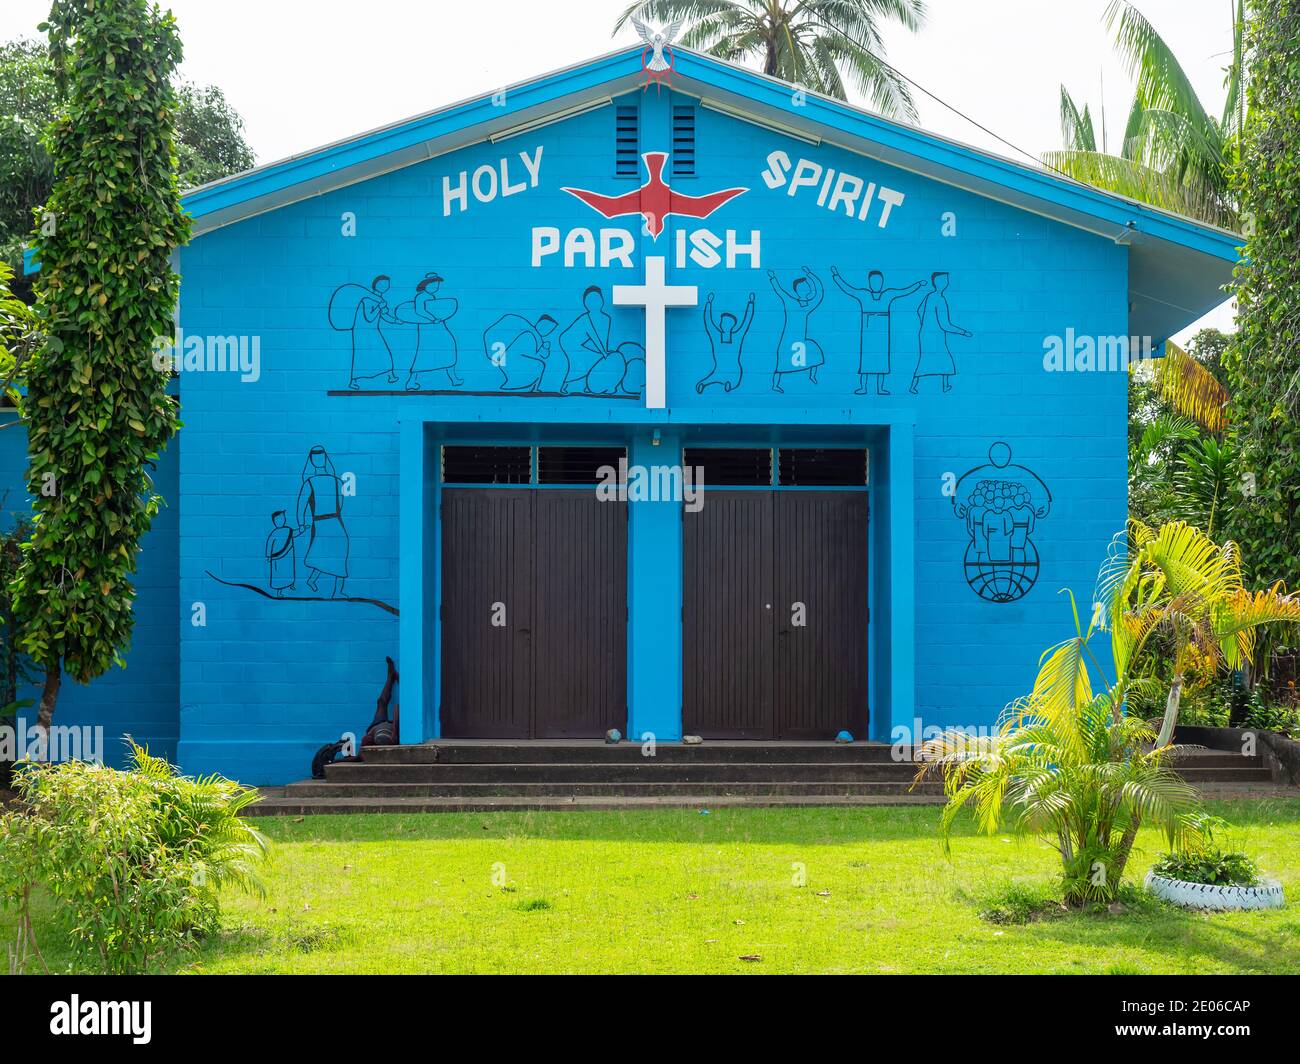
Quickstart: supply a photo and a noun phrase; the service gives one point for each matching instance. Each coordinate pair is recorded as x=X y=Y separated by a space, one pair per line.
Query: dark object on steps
x=382 y=731
x=613 y=736
x=325 y=756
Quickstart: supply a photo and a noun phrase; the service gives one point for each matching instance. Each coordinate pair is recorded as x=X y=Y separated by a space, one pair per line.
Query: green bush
x=1220 y=868
x=135 y=859
x=1282 y=719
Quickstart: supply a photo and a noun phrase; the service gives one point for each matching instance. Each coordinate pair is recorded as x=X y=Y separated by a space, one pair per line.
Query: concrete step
x=645 y=771
x=295 y=806
x=542 y=751
x=1224 y=775
x=771 y=788
x=1215 y=759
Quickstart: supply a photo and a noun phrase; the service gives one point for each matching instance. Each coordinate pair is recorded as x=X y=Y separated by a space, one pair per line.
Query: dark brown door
x=775 y=615
x=534 y=614
x=727 y=616
x=580 y=615
x=821 y=629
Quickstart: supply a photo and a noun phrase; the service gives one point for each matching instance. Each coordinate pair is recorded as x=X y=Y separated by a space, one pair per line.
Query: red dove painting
x=654 y=200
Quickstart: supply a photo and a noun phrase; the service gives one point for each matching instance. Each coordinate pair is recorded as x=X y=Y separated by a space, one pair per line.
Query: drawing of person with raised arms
x=726 y=340
x=796 y=351
x=875 y=302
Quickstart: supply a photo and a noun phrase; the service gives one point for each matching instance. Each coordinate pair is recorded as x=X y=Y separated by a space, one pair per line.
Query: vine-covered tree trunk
x=96 y=406
x=1264 y=359
x=49 y=696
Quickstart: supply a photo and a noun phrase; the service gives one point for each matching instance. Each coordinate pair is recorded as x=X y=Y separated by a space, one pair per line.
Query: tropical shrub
x=1067 y=765
x=1220 y=868
x=135 y=859
x=1208 y=861
x=1069 y=762
x=1284 y=720
x=1181 y=587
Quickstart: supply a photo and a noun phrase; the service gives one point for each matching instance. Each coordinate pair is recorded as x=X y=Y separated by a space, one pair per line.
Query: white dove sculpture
x=658 y=40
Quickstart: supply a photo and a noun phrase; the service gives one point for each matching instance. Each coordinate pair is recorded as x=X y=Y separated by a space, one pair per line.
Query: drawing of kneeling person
x=520 y=349
x=726 y=343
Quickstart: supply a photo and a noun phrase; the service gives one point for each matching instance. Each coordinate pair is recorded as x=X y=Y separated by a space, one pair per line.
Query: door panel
x=752 y=669
x=487 y=559
x=552 y=565
x=821 y=663
x=580 y=659
x=727 y=626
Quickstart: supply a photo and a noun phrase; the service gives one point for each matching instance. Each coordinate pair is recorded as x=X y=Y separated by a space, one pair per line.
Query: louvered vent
x=738 y=466
x=627 y=140
x=575 y=465
x=487 y=465
x=816 y=467
x=683 y=140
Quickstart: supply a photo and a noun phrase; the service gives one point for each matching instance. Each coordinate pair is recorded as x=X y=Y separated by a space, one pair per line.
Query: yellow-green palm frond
x=1181 y=560
x=1236 y=618
x=1190 y=388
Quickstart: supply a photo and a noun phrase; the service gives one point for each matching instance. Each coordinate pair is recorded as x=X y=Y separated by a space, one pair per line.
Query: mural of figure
x=435 y=344
x=280 y=556
x=933 y=357
x=363 y=312
x=875 y=302
x=520 y=349
x=726 y=340
x=320 y=512
x=586 y=341
x=592 y=365
x=796 y=351
x=1001 y=505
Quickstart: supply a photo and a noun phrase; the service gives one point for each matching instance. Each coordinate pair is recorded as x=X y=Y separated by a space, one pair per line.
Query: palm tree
x=1182 y=585
x=812 y=43
x=1174 y=153
x=1067 y=762
x=1066 y=766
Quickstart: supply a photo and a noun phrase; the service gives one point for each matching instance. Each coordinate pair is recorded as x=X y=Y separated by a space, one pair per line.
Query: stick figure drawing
x=796 y=351
x=726 y=340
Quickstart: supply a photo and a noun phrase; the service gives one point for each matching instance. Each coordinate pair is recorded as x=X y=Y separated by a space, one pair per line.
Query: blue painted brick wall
x=263 y=684
x=141 y=699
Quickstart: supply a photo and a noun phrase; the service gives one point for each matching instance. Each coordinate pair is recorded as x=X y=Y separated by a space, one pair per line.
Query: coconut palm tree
x=1174 y=154
x=813 y=43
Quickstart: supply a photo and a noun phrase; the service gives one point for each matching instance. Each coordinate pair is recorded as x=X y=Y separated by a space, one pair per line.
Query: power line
x=1038 y=160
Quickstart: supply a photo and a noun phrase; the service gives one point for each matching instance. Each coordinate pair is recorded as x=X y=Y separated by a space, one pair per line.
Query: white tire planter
x=1268 y=895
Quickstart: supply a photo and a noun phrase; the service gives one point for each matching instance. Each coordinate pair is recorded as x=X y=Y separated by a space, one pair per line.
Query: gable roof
x=1177 y=266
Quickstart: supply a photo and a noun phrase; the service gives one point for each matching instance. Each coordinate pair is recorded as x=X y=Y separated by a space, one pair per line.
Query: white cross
x=656 y=297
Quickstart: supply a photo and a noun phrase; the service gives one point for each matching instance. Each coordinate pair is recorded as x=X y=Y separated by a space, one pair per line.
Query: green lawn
x=684 y=891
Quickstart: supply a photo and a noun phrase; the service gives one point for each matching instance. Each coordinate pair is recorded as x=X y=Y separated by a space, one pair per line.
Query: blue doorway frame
x=654 y=667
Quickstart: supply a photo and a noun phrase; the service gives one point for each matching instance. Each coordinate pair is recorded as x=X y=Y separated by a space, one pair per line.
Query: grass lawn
x=682 y=891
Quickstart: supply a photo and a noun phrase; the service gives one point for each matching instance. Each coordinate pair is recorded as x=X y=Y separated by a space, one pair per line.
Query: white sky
x=307 y=72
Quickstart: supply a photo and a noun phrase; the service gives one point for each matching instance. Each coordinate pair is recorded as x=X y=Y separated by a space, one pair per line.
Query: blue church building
x=707 y=407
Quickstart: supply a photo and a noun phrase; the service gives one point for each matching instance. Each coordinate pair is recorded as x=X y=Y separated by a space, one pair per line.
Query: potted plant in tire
x=1211 y=877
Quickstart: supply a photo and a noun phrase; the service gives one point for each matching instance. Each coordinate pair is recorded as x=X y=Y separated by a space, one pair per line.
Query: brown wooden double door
x=774 y=620
x=534 y=614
